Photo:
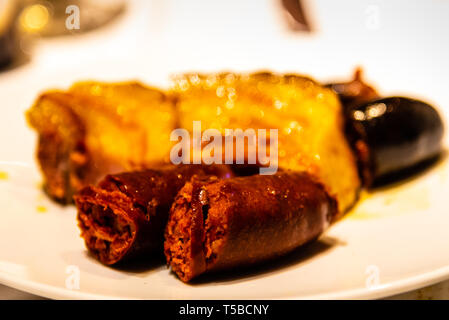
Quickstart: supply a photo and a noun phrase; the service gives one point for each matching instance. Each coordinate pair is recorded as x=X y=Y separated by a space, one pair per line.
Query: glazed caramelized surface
x=147 y=111
x=308 y=117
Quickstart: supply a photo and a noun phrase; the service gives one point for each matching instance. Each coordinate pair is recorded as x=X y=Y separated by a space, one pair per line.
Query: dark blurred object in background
x=23 y=21
x=296 y=16
x=9 y=10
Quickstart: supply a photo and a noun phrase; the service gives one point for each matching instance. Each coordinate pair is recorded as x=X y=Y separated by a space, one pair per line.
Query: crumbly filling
x=215 y=226
x=106 y=234
x=178 y=244
x=178 y=241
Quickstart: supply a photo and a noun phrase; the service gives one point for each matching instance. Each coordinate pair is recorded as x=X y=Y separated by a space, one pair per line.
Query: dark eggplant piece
x=393 y=134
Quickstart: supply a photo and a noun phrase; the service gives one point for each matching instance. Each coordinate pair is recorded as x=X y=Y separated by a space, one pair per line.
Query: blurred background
x=402 y=46
x=153 y=38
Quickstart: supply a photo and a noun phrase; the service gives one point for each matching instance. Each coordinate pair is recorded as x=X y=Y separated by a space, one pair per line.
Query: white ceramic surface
x=394 y=241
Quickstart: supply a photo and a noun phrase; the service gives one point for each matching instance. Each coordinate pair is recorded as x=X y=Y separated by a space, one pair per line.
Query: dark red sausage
x=221 y=224
x=125 y=215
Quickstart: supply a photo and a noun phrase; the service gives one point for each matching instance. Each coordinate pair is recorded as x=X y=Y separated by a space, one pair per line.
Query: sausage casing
x=124 y=216
x=222 y=224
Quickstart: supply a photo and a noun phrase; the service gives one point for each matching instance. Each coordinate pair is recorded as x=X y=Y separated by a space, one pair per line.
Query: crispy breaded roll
x=308 y=117
x=125 y=215
x=95 y=129
x=221 y=224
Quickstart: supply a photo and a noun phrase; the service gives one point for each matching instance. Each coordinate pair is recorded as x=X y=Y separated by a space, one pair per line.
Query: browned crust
x=67 y=163
x=63 y=159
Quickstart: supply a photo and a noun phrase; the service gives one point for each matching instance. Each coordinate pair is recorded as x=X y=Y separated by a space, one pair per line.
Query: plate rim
x=382 y=291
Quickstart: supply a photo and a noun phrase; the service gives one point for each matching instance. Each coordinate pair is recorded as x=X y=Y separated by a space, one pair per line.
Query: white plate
x=395 y=240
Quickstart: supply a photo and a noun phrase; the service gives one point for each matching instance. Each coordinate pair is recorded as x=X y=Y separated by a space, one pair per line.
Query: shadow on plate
x=142 y=266
x=292 y=260
x=139 y=265
x=407 y=175
x=88 y=263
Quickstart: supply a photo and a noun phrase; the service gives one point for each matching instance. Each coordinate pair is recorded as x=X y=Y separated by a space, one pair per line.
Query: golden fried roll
x=95 y=129
x=222 y=224
x=308 y=117
x=125 y=215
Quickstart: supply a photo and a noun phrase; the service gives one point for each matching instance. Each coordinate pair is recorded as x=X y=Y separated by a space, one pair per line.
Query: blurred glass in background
x=62 y=17
x=9 y=10
x=24 y=20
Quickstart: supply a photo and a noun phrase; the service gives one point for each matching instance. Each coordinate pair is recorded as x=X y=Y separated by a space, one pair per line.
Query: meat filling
x=107 y=234
x=193 y=239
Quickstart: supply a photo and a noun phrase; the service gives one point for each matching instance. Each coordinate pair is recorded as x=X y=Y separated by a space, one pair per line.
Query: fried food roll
x=221 y=224
x=95 y=129
x=125 y=215
x=308 y=116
